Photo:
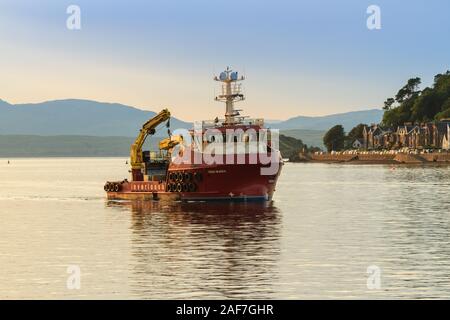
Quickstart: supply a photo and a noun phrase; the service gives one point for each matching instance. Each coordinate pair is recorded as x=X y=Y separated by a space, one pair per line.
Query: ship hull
x=234 y=182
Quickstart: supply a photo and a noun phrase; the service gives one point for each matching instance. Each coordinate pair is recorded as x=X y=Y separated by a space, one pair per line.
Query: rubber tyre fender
x=198 y=176
x=187 y=176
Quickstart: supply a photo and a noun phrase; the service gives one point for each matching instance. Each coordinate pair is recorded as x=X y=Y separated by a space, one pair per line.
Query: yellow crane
x=170 y=143
x=136 y=158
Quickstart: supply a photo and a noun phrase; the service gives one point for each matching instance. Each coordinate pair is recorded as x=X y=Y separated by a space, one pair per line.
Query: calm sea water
x=326 y=226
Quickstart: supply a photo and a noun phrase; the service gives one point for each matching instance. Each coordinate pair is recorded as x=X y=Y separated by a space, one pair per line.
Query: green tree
x=445 y=113
x=334 y=138
x=409 y=90
x=426 y=106
x=439 y=75
x=388 y=103
x=419 y=106
x=357 y=131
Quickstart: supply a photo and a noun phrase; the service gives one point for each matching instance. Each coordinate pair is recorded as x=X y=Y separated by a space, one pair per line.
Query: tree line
x=413 y=105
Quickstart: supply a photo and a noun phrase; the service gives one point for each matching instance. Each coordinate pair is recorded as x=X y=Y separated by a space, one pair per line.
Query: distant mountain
x=76 y=117
x=348 y=120
x=91 y=118
x=90 y=128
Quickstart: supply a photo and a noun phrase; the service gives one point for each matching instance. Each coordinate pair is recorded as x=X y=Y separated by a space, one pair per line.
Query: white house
x=357 y=144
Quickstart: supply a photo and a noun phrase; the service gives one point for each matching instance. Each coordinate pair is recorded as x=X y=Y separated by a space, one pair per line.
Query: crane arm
x=170 y=143
x=147 y=129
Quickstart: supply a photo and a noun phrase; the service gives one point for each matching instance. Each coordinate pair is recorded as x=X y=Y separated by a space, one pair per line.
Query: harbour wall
x=383 y=158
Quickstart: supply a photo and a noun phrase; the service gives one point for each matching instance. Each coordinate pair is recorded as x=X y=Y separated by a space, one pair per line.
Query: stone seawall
x=334 y=157
x=437 y=157
x=376 y=157
x=383 y=158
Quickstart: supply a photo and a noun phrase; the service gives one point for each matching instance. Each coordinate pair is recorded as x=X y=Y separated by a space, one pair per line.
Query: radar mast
x=231 y=93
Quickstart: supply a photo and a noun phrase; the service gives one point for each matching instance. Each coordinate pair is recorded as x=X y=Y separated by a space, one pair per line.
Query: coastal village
x=430 y=135
x=411 y=143
x=415 y=129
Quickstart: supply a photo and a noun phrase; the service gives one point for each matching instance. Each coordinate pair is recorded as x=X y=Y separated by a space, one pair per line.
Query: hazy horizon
x=300 y=58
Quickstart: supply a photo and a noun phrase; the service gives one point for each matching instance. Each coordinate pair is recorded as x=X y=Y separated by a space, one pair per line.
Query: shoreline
x=378 y=162
x=383 y=158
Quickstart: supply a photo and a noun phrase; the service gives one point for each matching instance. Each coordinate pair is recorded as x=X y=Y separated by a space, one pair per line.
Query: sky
x=299 y=57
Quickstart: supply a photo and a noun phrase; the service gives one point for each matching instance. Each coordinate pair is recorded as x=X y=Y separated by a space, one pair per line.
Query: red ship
x=235 y=158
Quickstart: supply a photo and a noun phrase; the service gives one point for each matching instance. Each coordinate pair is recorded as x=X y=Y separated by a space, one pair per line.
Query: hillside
x=290 y=147
x=348 y=120
x=413 y=105
x=12 y=146
x=75 y=117
x=309 y=137
x=86 y=117
x=63 y=146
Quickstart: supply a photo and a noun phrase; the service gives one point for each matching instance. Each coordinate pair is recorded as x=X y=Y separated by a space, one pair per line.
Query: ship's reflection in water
x=198 y=250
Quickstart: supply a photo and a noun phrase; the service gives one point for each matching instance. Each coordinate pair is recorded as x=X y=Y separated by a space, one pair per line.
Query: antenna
x=231 y=93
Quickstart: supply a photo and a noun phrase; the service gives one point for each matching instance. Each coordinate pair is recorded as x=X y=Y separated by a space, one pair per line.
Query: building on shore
x=433 y=135
x=358 y=144
x=446 y=139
